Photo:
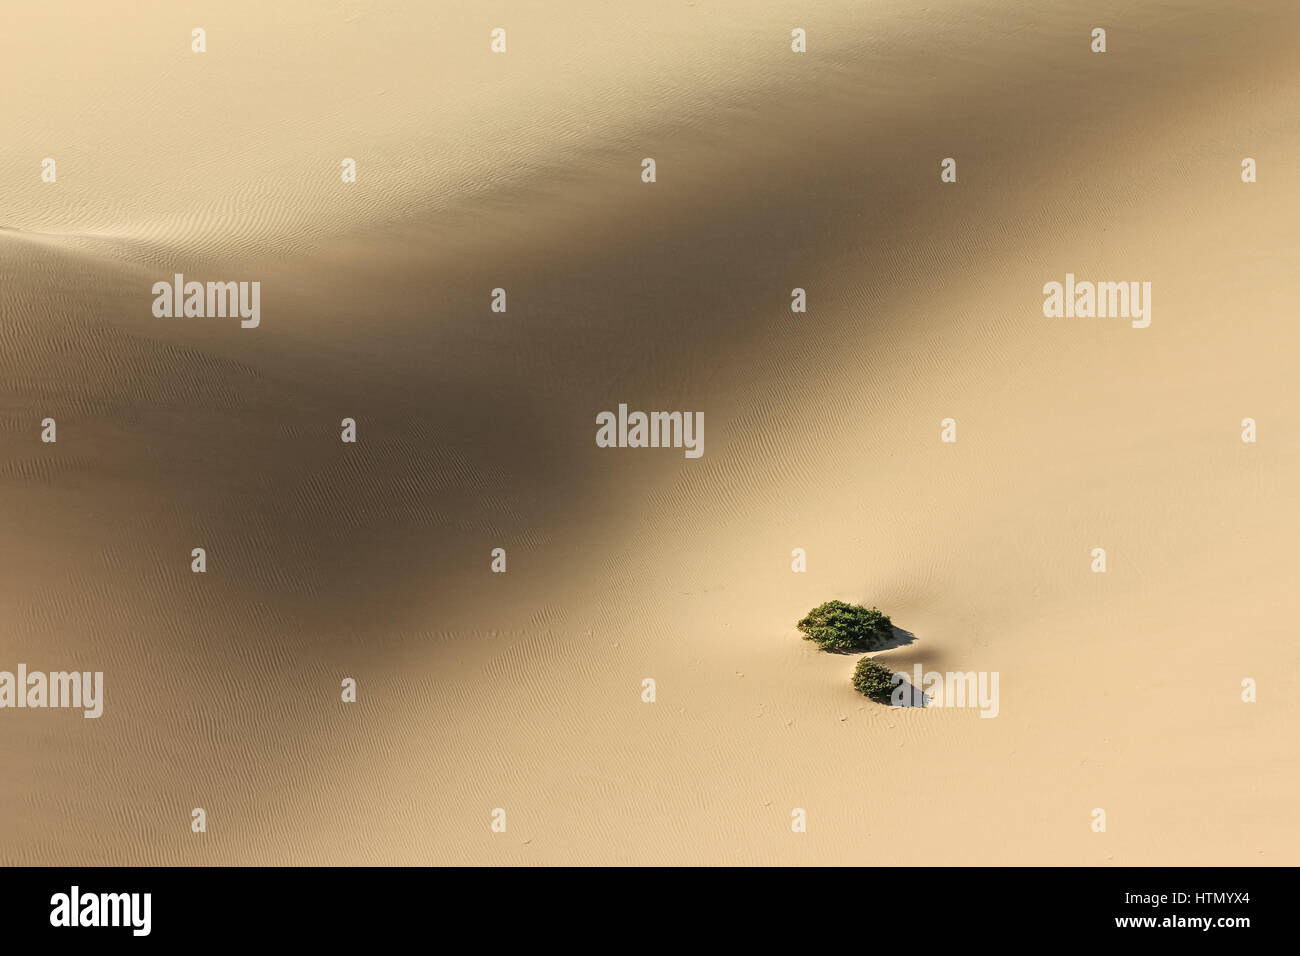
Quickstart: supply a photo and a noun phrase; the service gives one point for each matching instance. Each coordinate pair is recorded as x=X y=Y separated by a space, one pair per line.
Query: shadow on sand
x=899 y=638
x=905 y=692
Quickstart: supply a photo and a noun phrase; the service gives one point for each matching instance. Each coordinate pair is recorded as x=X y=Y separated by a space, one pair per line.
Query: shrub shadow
x=911 y=696
x=899 y=638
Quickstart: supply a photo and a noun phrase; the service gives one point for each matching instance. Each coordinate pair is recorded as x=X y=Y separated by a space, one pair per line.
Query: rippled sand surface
x=522 y=691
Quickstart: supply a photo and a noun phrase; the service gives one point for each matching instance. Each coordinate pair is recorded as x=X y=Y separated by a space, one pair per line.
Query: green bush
x=836 y=626
x=873 y=680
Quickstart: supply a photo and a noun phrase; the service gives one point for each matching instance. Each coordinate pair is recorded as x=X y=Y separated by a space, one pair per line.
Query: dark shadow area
x=899 y=638
x=911 y=695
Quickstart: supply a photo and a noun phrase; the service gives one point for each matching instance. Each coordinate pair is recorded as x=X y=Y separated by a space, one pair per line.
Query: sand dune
x=522 y=691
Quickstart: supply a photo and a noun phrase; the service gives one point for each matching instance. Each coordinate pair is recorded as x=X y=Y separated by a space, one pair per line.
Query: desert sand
x=523 y=690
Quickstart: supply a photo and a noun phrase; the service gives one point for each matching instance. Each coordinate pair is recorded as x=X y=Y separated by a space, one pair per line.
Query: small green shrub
x=873 y=680
x=836 y=626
